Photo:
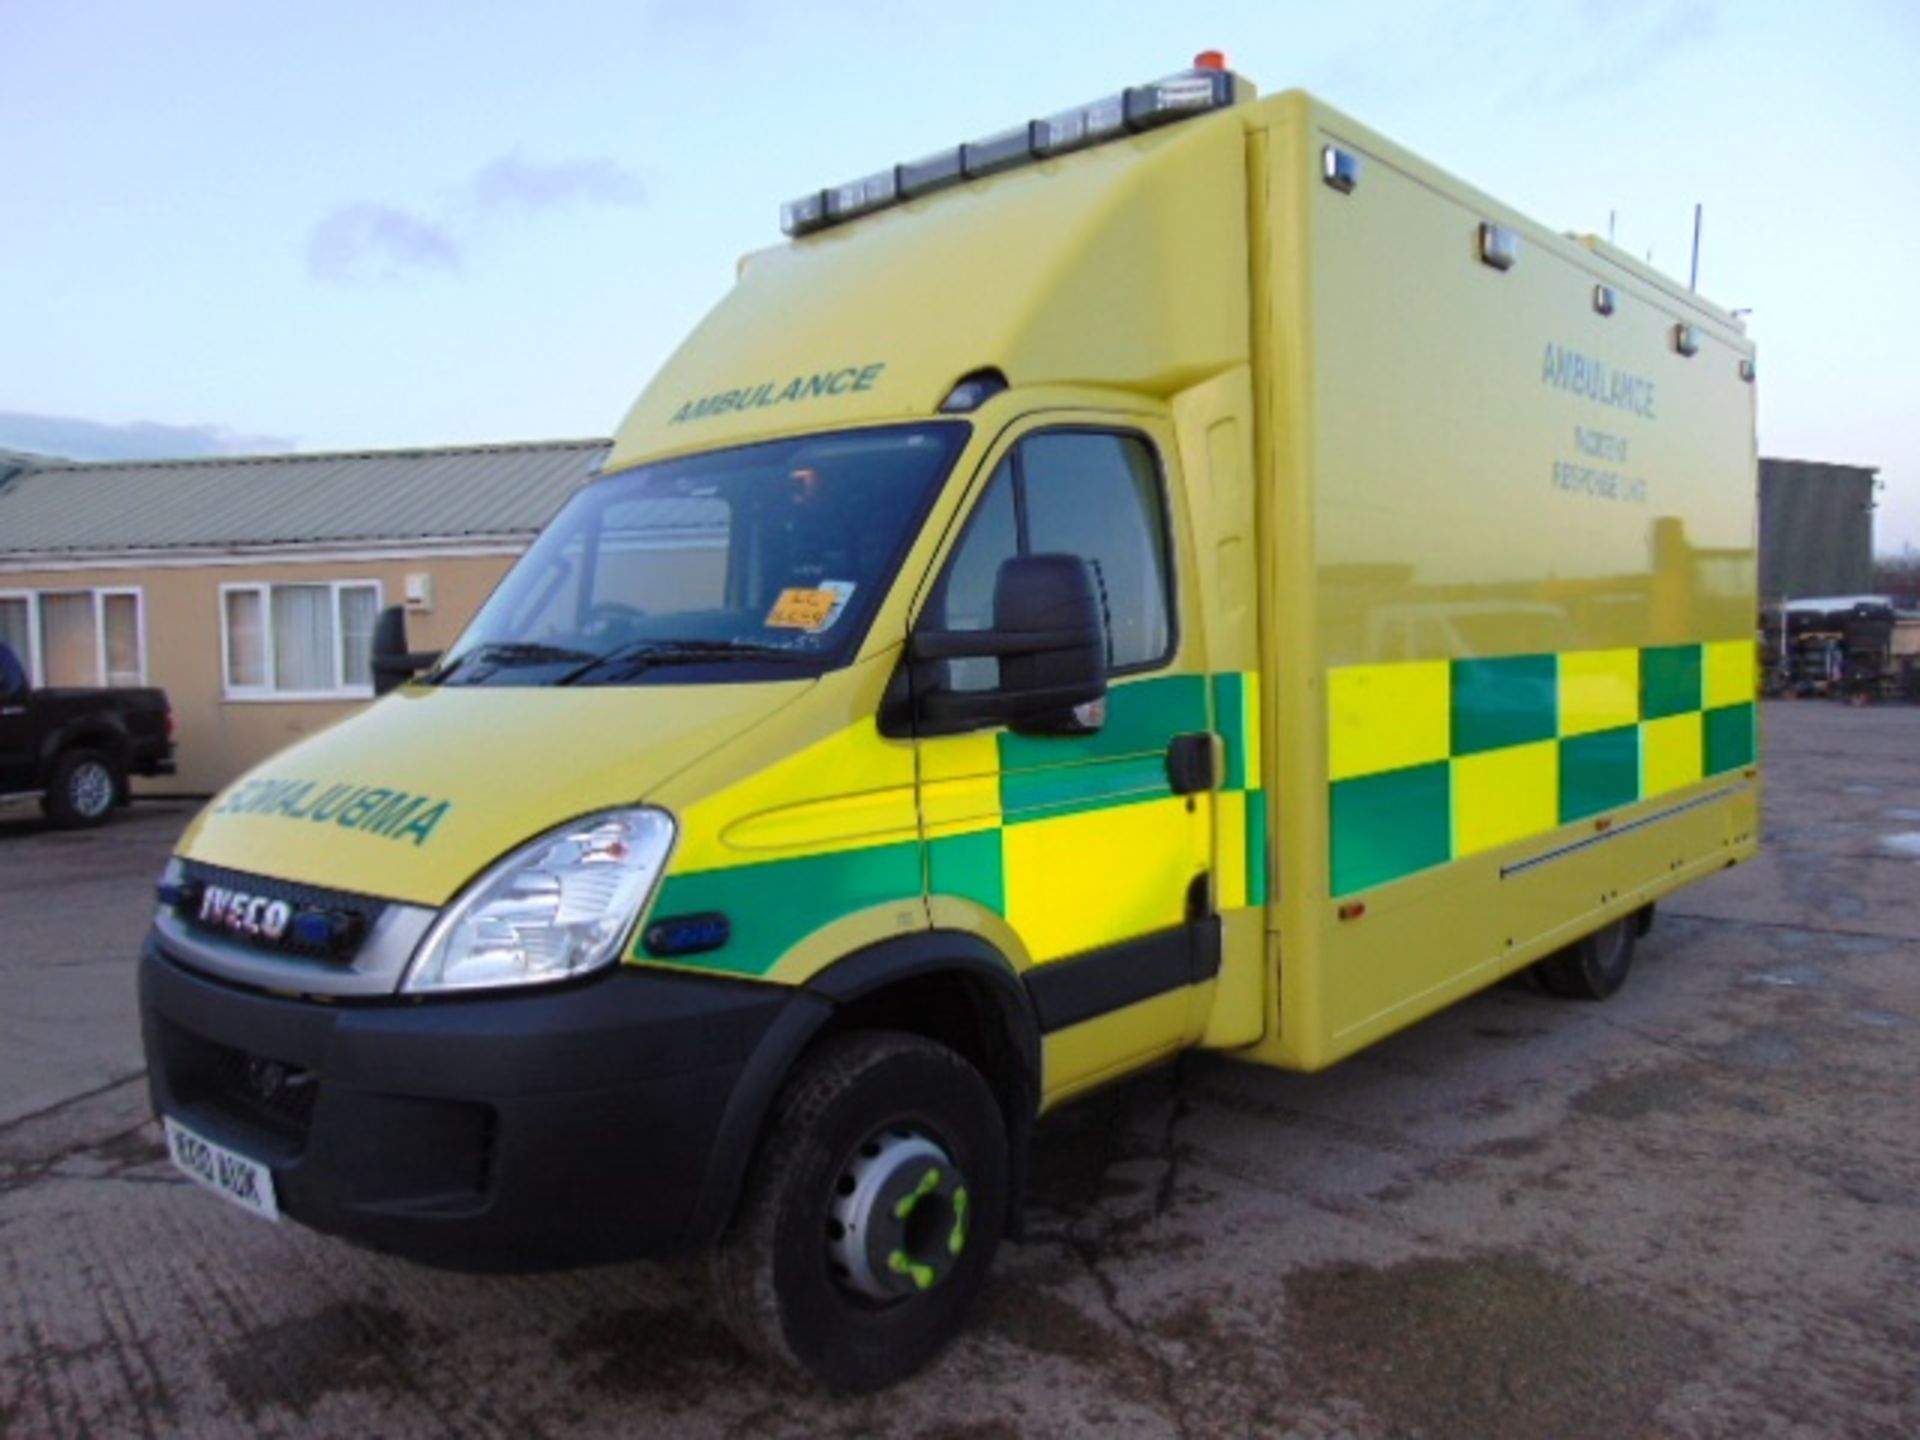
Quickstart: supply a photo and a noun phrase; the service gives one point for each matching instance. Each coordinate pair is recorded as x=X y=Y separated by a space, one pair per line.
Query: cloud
x=513 y=183
x=1622 y=43
x=72 y=438
x=1530 y=58
x=367 y=242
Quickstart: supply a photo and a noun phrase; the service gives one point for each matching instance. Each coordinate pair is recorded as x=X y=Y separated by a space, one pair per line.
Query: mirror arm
x=948 y=707
x=980 y=644
x=407 y=663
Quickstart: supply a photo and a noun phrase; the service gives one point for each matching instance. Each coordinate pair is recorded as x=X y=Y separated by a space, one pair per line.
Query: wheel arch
x=946 y=986
x=94 y=733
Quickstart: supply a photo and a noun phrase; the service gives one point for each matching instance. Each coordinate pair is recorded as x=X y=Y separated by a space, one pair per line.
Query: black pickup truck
x=74 y=749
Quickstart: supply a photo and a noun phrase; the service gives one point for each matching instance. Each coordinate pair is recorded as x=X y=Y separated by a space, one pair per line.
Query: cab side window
x=1098 y=496
x=1094 y=494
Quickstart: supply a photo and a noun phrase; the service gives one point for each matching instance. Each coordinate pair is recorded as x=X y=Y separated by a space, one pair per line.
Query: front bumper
x=508 y=1132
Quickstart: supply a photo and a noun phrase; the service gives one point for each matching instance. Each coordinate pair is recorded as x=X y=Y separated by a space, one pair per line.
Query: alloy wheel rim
x=91 y=789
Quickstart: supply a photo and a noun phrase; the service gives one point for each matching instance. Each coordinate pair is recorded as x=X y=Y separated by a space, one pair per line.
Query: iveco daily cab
x=1179 y=573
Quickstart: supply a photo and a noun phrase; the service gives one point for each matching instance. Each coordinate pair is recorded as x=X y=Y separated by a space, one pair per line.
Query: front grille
x=269 y=1099
x=358 y=913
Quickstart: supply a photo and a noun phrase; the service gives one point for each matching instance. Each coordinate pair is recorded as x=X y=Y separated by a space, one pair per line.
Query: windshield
x=760 y=561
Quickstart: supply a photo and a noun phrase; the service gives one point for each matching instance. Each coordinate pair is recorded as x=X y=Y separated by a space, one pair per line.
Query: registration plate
x=247 y=1183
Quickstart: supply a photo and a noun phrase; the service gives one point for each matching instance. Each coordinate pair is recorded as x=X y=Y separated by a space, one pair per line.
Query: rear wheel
x=1593 y=968
x=81 y=790
x=871 y=1214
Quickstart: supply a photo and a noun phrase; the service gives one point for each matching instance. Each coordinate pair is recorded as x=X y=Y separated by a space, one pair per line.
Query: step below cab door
x=1086 y=856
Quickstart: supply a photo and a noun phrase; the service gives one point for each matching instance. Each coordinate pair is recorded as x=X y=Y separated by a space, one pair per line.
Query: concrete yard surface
x=1693 y=1210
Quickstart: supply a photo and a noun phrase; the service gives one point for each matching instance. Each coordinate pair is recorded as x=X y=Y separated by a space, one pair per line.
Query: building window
x=82 y=639
x=299 y=642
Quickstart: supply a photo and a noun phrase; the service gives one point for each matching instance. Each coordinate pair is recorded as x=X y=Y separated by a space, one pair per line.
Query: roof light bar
x=999 y=152
x=1104 y=119
x=1192 y=92
x=857 y=197
x=1140 y=107
x=807 y=214
x=935 y=172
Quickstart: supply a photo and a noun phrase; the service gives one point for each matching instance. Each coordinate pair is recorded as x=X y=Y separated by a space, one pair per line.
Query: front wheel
x=82 y=790
x=870 y=1215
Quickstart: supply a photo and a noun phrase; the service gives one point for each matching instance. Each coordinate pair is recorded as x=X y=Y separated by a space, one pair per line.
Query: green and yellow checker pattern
x=1083 y=843
x=1434 y=760
x=1075 y=841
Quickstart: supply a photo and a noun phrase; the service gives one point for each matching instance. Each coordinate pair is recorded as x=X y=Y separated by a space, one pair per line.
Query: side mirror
x=1050 y=640
x=393 y=663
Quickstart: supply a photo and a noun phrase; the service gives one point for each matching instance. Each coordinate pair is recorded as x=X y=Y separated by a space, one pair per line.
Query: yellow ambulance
x=1183 y=572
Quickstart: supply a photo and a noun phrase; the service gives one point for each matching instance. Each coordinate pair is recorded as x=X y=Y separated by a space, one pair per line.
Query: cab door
x=1087 y=856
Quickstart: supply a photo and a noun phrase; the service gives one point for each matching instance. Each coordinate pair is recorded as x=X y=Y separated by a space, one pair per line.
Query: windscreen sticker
x=810 y=608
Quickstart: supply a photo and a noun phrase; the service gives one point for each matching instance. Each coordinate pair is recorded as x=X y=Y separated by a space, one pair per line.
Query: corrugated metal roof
x=380 y=495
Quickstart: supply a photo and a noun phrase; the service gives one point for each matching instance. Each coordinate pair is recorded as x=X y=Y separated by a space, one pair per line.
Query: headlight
x=552 y=909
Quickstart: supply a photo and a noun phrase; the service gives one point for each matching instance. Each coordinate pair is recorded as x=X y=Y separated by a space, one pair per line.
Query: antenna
x=1612 y=215
x=1693 y=276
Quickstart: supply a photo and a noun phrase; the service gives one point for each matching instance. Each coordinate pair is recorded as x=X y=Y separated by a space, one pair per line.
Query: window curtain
x=302 y=637
x=359 y=606
x=121 y=616
x=69 y=651
x=246 y=640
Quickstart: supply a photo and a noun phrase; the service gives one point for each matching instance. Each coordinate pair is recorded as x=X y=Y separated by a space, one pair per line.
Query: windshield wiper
x=642 y=654
x=504 y=653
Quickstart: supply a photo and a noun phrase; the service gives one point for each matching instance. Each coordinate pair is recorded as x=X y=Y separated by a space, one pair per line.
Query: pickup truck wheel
x=81 y=790
x=870 y=1215
x=1593 y=968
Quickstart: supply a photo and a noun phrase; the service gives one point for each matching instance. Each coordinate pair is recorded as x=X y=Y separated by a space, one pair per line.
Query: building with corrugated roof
x=247 y=587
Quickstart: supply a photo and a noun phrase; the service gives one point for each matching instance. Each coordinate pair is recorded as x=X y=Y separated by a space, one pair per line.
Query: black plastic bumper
x=507 y=1132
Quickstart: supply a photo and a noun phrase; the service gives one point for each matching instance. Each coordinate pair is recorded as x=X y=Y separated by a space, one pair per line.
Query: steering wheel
x=605 y=615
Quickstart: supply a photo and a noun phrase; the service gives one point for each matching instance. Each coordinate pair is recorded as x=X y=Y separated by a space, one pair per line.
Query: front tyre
x=81 y=790
x=871 y=1213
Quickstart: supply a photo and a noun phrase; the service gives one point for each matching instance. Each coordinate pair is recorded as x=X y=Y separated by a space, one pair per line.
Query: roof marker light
x=1340 y=168
x=972 y=391
x=1499 y=246
x=1208 y=86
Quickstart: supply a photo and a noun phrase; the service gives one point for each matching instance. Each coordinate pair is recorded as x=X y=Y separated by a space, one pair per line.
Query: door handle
x=1192 y=766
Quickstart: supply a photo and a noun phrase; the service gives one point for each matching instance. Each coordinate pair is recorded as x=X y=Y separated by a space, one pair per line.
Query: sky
x=242 y=227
